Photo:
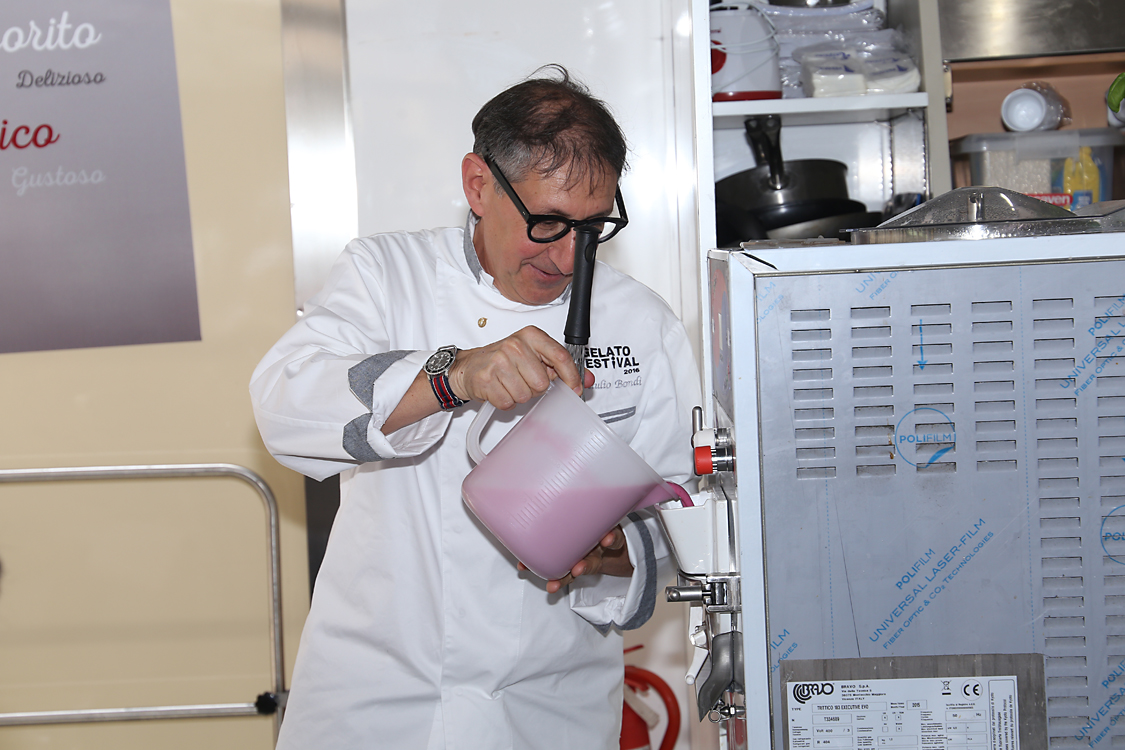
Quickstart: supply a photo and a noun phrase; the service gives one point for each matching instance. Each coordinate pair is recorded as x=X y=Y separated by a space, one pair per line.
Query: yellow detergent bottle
x=1082 y=179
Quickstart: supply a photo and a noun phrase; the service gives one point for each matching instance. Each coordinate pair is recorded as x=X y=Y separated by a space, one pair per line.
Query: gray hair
x=547 y=123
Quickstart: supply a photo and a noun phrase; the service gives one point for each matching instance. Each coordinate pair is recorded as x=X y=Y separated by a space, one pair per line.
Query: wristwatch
x=438 y=367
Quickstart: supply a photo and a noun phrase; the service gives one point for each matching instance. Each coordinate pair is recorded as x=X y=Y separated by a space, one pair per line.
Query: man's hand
x=514 y=370
x=509 y=372
x=610 y=557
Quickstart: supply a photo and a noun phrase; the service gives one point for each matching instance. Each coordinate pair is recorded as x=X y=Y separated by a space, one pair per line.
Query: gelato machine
x=910 y=531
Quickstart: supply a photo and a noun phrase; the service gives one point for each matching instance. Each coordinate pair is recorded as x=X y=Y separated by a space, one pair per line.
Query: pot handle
x=764 y=134
x=758 y=143
x=472 y=437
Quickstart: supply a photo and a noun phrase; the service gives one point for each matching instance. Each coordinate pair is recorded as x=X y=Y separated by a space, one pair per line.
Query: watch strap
x=444 y=393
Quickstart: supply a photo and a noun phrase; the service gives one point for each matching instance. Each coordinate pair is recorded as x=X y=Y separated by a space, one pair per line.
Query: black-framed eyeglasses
x=549 y=227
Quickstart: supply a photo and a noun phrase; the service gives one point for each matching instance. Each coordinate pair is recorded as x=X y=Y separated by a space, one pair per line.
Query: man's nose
x=561 y=253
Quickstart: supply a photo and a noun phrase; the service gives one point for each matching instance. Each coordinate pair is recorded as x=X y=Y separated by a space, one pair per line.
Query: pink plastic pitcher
x=557 y=482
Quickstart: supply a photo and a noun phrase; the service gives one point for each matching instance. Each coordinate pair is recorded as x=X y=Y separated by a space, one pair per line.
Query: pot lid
x=810 y=3
x=977 y=213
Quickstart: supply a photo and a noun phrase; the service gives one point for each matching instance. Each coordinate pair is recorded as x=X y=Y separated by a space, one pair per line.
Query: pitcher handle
x=472 y=438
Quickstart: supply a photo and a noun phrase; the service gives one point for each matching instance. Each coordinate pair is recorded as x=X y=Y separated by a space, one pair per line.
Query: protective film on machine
x=946 y=474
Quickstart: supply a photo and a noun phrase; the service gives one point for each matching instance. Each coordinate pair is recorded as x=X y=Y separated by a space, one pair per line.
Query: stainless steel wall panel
x=322 y=177
x=986 y=29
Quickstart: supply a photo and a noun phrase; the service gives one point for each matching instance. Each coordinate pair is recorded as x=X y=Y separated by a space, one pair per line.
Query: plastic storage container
x=1069 y=168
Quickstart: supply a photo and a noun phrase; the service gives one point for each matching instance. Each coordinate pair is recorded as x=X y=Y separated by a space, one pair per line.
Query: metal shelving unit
x=819 y=111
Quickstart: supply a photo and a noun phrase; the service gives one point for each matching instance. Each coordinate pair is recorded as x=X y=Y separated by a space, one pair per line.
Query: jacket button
x=482 y=322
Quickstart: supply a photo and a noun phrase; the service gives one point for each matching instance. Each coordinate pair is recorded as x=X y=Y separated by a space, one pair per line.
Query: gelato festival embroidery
x=610 y=365
x=612 y=358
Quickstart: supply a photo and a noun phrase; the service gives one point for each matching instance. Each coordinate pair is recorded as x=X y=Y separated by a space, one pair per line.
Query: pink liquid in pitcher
x=551 y=531
x=556 y=483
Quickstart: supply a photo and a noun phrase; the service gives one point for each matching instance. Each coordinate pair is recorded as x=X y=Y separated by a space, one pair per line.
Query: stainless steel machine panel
x=942 y=458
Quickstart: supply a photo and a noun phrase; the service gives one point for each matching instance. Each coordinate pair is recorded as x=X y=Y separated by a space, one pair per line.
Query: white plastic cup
x=1115 y=119
x=1026 y=109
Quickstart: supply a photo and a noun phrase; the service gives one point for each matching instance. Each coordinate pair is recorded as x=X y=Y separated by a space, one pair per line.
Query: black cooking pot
x=832 y=227
x=734 y=226
x=778 y=193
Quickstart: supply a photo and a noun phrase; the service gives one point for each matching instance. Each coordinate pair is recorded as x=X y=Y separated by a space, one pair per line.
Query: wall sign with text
x=95 y=231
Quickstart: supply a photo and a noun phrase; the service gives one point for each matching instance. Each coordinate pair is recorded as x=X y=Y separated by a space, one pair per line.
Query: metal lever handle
x=764 y=134
x=677 y=594
x=713 y=449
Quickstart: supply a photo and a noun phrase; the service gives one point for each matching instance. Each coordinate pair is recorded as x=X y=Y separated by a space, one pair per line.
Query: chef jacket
x=422 y=632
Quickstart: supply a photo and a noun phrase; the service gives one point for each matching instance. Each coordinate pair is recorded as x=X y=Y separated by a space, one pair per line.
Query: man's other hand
x=610 y=557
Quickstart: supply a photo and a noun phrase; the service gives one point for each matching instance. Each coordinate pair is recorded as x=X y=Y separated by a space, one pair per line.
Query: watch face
x=439 y=362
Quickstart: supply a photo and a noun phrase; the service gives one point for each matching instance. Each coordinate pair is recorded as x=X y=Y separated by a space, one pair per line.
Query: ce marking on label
x=971 y=689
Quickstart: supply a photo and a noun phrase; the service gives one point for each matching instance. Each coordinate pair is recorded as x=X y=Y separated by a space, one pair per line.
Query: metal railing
x=267 y=703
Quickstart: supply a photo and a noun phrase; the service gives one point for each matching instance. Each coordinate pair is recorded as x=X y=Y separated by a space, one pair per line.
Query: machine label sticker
x=923 y=436
x=976 y=713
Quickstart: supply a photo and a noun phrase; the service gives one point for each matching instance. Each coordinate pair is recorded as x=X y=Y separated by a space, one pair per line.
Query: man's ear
x=474 y=180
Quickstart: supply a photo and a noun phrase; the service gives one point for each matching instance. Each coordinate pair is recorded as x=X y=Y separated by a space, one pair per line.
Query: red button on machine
x=703 y=463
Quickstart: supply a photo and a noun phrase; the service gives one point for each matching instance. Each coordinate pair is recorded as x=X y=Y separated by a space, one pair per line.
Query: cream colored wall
x=154 y=593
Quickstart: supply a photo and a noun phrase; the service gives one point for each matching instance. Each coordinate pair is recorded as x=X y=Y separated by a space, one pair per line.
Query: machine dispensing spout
x=576 y=334
x=721 y=672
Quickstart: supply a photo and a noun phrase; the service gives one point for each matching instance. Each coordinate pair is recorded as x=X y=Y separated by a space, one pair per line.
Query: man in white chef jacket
x=424 y=631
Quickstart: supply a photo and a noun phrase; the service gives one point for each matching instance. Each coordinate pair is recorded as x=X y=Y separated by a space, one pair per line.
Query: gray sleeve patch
x=355 y=440
x=610 y=417
x=648 y=560
x=362 y=377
